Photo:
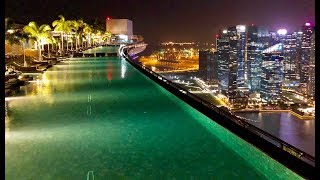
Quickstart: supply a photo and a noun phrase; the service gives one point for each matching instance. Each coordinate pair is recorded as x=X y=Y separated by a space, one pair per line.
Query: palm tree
x=88 y=30
x=40 y=34
x=64 y=27
x=79 y=26
x=106 y=37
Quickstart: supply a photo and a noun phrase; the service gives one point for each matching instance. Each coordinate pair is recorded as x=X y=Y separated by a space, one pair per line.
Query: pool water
x=103 y=115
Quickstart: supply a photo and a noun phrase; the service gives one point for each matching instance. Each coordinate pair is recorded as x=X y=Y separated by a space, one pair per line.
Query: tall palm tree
x=40 y=34
x=78 y=27
x=73 y=30
x=88 y=30
x=64 y=26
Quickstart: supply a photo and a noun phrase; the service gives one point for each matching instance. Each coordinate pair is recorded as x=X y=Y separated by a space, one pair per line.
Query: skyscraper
x=232 y=72
x=253 y=59
x=212 y=73
x=203 y=64
x=311 y=81
x=304 y=50
x=290 y=75
x=223 y=48
x=271 y=76
x=241 y=56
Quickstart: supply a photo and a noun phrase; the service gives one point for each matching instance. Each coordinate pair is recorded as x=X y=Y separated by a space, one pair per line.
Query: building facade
x=223 y=48
x=311 y=81
x=272 y=74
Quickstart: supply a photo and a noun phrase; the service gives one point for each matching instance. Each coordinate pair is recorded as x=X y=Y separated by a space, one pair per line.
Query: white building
x=120 y=28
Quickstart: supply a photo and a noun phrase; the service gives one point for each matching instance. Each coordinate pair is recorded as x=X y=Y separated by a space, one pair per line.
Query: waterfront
x=102 y=115
x=297 y=132
x=284 y=125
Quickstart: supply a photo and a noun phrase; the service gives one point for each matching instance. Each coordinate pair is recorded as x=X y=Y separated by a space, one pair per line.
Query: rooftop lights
x=307 y=24
x=241 y=28
x=282 y=31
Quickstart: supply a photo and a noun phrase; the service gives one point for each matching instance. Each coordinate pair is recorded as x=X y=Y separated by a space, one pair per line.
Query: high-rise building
x=241 y=56
x=212 y=73
x=271 y=76
x=204 y=57
x=233 y=64
x=254 y=59
x=304 y=50
x=208 y=65
x=290 y=75
x=223 y=47
x=311 y=82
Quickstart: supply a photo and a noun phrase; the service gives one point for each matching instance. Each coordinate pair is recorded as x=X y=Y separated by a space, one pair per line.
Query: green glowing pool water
x=102 y=115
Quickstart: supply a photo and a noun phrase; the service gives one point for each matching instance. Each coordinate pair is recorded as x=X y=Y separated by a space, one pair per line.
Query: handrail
x=288 y=148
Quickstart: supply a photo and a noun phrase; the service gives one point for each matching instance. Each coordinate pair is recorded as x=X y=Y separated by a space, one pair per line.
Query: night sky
x=175 y=20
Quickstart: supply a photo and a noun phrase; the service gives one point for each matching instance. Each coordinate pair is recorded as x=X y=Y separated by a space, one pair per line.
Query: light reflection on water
x=284 y=125
x=131 y=127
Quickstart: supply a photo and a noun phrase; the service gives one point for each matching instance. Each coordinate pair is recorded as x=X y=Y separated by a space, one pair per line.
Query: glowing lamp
x=224 y=31
x=282 y=31
x=308 y=24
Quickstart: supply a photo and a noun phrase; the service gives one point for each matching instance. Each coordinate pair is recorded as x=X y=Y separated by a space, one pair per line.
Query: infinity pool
x=102 y=115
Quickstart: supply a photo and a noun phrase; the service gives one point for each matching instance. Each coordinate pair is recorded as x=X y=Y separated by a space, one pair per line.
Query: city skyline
x=199 y=22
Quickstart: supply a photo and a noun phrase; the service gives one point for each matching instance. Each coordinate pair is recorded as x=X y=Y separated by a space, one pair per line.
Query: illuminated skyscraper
x=232 y=74
x=223 y=47
x=253 y=59
x=304 y=50
x=271 y=76
x=235 y=71
x=311 y=81
x=241 y=56
x=290 y=75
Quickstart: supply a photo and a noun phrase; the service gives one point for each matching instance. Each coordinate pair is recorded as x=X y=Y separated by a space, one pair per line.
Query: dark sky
x=175 y=20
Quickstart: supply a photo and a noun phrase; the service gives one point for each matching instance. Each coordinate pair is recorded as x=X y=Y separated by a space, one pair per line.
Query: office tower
x=223 y=47
x=241 y=56
x=212 y=73
x=233 y=64
x=304 y=50
x=311 y=81
x=271 y=76
x=290 y=75
x=204 y=57
x=254 y=59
